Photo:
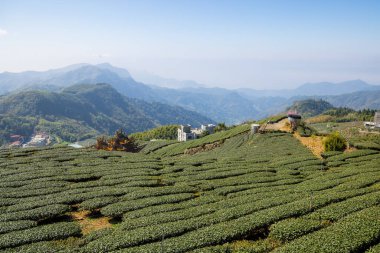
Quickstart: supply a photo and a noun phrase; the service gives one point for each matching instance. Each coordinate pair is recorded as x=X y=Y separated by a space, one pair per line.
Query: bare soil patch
x=89 y=224
x=203 y=148
x=282 y=125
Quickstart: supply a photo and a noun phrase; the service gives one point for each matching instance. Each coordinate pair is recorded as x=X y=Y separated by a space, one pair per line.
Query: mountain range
x=221 y=105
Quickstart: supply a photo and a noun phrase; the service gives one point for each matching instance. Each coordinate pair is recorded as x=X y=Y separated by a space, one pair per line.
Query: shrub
x=334 y=142
x=120 y=142
x=220 y=127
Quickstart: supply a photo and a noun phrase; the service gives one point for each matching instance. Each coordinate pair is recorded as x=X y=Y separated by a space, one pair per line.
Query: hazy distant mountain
x=82 y=110
x=325 y=88
x=357 y=100
x=155 y=80
x=312 y=89
x=218 y=104
x=222 y=105
x=13 y=81
x=76 y=74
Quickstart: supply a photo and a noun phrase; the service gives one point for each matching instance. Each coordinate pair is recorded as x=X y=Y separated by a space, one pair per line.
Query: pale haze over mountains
x=228 y=44
x=221 y=105
x=197 y=61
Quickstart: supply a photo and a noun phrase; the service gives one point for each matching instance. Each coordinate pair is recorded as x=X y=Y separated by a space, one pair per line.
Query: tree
x=204 y=133
x=220 y=127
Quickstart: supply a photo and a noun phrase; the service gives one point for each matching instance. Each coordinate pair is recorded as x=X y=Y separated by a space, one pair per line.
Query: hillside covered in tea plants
x=227 y=192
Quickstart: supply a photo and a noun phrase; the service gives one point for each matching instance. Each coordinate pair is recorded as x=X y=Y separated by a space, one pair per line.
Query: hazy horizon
x=228 y=44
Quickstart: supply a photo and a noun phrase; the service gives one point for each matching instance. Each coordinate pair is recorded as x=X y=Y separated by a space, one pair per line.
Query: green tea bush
x=119 y=208
x=374 y=249
x=40 y=213
x=291 y=229
x=54 y=231
x=8 y=226
x=328 y=154
x=352 y=234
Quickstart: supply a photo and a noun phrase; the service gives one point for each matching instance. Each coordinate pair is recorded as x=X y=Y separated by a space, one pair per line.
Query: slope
x=253 y=193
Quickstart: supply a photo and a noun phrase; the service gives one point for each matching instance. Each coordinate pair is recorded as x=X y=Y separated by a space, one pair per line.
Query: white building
x=210 y=128
x=375 y=124
x=377 y=119
x=255 y=128
x=185 y=132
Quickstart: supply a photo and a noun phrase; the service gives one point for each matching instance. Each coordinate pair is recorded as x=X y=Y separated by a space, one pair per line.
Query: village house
x=16 y=141
x=38 y=140
x=294 y=119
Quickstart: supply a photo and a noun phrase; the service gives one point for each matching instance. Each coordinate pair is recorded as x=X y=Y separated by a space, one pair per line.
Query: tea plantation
x=251 y=193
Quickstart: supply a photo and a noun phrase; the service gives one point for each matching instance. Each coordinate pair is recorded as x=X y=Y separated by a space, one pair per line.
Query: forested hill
x=83 y=111
x=310 y=107
x=317 y=107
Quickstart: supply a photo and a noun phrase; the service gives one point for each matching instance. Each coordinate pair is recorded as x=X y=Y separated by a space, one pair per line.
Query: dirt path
x=314 y=143
x=282 y=125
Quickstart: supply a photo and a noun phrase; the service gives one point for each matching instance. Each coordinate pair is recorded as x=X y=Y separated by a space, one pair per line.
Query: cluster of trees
x=10 y=124
x=168 y=132
x=348 y=114
x=119 y=142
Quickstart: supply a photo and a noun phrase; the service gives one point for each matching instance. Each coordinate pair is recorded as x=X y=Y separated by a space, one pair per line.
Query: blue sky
x=235 y=43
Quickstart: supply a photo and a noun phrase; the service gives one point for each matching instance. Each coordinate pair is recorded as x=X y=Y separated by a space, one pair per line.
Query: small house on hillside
x=185 y=132
x=294 y=119
x=255 y=128
x=377 y=119
x=38 y=140
x=376 y=122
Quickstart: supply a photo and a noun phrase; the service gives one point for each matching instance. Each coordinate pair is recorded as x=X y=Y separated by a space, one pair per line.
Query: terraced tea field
x=252 y=193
